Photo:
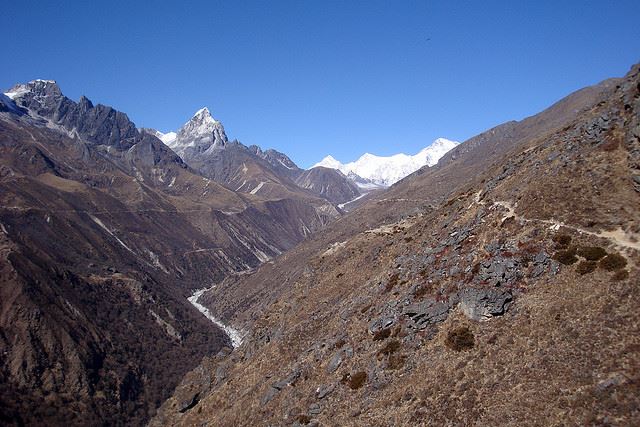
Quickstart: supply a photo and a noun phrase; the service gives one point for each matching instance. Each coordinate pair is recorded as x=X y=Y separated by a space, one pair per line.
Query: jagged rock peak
x=202 y=130
x=37 y=87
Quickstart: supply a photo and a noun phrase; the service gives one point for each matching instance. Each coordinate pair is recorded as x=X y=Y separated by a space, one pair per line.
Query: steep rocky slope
x=104 y=233
x=498 y=288
x=328 y=183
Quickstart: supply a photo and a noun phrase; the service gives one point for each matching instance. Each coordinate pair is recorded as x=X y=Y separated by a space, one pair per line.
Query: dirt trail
x=618 y=237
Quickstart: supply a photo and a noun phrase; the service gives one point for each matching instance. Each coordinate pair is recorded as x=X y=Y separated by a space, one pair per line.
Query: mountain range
x=371 y=171
x=189 y=279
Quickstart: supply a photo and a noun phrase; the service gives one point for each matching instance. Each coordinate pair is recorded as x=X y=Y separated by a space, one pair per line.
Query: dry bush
x=393 y=281
x=566 y=257
x=396 y=361
x=422 y=290
x=382 y=334
x=613 y=262
x=303 y=419
x=592 y=253
x=562 y=240
x=460 y=338
x=357 y=380
x=620 y=275
x=391 y=347
x=585 y=267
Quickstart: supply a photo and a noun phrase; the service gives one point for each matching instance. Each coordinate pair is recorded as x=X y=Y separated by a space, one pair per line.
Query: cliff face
x=499 y=287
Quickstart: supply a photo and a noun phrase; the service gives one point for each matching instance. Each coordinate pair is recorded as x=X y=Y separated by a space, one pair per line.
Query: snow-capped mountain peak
x=38 y=87
x=202 y=132
x=202 y=123
x=385 y=171
x=329 y=162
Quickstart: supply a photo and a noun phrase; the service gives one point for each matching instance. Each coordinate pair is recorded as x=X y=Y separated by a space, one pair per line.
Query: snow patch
x=105 y=228
x=342 y=205
x=258 y=187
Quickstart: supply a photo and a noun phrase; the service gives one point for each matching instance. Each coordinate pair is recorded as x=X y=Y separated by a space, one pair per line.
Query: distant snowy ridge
x=167 y=138
x=385 y=171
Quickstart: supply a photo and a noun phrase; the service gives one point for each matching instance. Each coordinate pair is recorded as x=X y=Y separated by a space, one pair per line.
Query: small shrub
x=422 y=290
x=562 y=240
x=566 y=257
x=592 y=253
x=393 y=280
x=303 y=419
x=620 y=275
x=613 y=262
x=382 y=334
x=339 y=344
x=460 y=339
x=396 y=361
x=610 y=145
x=391 y=347
x=585 y=267
x=357 y=380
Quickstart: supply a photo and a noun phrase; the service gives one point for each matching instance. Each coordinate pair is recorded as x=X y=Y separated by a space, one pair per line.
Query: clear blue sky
x=311 y=78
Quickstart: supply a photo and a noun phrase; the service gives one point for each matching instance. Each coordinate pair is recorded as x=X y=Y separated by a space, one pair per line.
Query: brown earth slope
x=499 y=288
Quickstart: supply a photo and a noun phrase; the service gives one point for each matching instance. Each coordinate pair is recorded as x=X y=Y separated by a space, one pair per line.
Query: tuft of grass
x=585 y=267
x=357 y=380
x=592 y=253
x=620 y=275
x=613 y=262
x=567 y=256
x=460 y=339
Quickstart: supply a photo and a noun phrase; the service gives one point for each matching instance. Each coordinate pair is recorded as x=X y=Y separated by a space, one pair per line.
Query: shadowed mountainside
x=104 y=233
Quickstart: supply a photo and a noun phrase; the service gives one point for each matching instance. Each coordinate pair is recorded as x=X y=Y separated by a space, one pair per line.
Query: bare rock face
x=201 y=134
x=99 y=124
x=329 y=183
x=483 y=304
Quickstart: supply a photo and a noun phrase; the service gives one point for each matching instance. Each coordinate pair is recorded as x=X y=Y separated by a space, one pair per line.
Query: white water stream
x=234 y=335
